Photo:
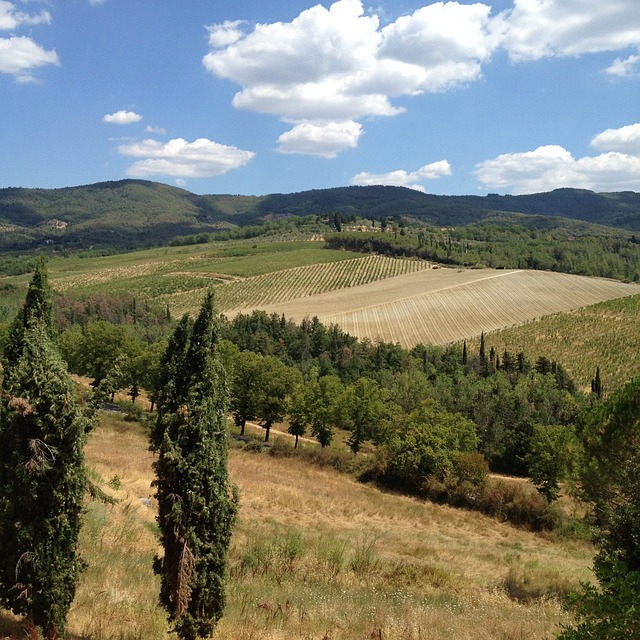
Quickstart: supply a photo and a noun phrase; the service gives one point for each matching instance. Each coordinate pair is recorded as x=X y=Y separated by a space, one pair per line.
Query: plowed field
x=438 y=306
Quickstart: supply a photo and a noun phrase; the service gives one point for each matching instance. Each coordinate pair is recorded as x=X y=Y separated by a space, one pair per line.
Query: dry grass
x=318 y=555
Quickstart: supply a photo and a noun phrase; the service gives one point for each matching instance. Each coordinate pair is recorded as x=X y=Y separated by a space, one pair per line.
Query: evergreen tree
x=197 y=504
x=38 y=305
x=596 y=384
x=42 y=474
x=484 y=361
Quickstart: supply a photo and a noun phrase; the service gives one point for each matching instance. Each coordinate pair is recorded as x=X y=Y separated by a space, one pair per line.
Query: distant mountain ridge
x=131 y=214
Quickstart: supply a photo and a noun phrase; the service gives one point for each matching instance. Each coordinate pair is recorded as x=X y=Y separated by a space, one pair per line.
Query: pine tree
x=42 y=475
x=197 y=504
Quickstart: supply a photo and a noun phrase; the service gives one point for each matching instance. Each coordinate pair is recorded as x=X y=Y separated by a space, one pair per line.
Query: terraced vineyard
x=298 y=283
x=447 y=305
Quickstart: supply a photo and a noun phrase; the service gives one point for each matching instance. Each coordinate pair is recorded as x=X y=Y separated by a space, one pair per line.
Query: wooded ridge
x=130 y=214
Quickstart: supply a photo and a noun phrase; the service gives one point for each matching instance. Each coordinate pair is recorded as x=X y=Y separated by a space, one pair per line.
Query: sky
x=254 y=97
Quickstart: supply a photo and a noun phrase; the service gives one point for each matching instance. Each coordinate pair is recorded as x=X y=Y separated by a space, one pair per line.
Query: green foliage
x=244 y=387
x=196 y=502
x=590 y=253
x=610 y=483
x=42 y=433
x=426 y=442
x=364 y=409
x=276 y=381
x=38 y=307
x=549 y=460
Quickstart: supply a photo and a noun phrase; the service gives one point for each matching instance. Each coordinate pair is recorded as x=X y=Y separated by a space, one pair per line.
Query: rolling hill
x=131 y=214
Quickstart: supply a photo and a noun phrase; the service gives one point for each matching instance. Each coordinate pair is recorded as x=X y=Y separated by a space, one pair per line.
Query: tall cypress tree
x=197 y=504
x=38 y=306
x=42 y=475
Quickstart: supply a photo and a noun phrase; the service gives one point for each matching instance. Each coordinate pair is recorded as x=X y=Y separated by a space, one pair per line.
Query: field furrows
x=301 y=282
x=442 y=306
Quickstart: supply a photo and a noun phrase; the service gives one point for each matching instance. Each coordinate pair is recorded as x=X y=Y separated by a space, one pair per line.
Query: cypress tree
x=196 y=502
x=596 y=384
x=42 y=474
x=38 y=306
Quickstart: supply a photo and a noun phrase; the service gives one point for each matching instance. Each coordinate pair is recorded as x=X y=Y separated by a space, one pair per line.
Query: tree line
x=504 y=247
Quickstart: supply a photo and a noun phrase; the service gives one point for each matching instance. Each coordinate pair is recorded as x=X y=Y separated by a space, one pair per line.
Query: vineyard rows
x=440 y=313
x=301 y=282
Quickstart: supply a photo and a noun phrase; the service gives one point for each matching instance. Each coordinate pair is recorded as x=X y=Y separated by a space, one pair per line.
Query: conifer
x=42 y=474
x=196 y=502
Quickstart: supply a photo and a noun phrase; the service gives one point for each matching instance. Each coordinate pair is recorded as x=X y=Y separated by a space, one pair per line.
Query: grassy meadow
x=318 y=555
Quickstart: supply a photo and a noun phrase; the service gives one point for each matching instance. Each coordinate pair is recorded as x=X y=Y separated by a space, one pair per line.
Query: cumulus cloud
x=122 y=117
x=534 y=29
x=322 y=140
x=333 y=66
x=402 y=178
x=201 y=158
x=20 y=55
x=552 y=166
x=625 y=140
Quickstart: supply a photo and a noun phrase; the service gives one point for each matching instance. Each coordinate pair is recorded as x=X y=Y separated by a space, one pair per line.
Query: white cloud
x=551 y=167
x=161 y=131
x=625 y=140
x=10 y=17
x=627 y=68
x=199 y=159
x=122 y=117
x=321 y=140
x=402 y=178
x=20 y=55
x=222 y=35
x=331 y=66
x=539 y=28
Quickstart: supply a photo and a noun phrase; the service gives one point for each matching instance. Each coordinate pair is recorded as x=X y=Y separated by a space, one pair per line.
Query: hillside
x=448 y=305
x=130 y=214
x=319 y=555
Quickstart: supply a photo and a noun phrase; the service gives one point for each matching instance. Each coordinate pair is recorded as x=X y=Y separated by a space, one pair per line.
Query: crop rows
x=301 y=282
x=463 y=311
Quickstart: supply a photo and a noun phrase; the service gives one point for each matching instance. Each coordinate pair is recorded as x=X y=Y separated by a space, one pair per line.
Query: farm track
x=446 y=305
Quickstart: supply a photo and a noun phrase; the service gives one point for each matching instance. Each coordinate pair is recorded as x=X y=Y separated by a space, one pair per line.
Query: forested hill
x=135 y=213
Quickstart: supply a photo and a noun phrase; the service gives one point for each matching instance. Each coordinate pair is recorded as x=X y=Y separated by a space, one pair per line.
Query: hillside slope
x=131 y=214
x=317 y=555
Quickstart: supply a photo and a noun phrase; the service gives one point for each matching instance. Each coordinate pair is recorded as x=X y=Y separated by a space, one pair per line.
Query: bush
x=518 y=504
x=281 y=448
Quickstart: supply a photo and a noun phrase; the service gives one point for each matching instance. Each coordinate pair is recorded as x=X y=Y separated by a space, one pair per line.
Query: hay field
x=439 y=306
x=317 y=555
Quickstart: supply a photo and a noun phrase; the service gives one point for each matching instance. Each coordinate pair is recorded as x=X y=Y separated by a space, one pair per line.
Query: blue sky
x=255 y=97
